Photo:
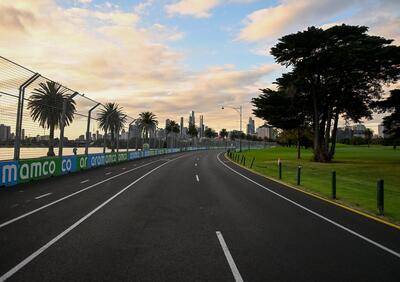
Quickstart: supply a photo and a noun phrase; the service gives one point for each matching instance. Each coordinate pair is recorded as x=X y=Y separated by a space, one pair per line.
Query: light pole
x=239 y=110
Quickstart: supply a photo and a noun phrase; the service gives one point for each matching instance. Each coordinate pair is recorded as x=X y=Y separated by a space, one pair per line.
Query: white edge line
x=42 y=196
x=70 y=195
x=372 y=242
x=229 y=258
x=31 y=257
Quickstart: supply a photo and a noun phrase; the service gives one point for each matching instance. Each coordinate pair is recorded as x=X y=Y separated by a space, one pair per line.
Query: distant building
x=344 y=133
x=134 y=131
x=5 y=132
x=267 y=131
x=250 y=127
x=81 y=138
x=167 y=121
x=381 y=130
x=124 y=135
x=192 y=119
x=181 y=127
x=359 y=130
x=201 y=127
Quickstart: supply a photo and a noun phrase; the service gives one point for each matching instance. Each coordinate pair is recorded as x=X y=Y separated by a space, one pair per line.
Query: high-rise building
x=250 y=127
x=134 y=131
x=192 y=119
x=181 y=127
x=381 y=130
x=267 y=131
x=5 y=132
x=201 y=127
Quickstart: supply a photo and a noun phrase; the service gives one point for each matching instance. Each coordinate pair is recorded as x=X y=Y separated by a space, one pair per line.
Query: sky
x=173 y=56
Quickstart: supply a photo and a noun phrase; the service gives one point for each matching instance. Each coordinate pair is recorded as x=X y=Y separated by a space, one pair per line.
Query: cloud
x=289 y=15
x=196 y=8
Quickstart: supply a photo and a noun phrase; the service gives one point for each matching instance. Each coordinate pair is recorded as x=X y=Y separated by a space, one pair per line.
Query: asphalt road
x=185 y=217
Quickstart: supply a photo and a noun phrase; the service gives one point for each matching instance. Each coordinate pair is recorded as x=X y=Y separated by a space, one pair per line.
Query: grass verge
x=357 y=170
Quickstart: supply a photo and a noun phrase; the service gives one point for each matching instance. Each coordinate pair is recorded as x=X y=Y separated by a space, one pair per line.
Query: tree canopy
x=334 y=72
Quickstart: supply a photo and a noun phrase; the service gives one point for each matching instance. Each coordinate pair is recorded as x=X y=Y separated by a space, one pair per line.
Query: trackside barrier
x=23 y=171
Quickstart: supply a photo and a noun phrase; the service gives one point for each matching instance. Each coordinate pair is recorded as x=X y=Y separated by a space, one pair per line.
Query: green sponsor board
x=111 y=158
x=38 y=168
x=81 y=162
x=122 y=157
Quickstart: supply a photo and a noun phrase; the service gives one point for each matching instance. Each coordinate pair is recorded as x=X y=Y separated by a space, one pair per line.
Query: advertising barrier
x=23 y=171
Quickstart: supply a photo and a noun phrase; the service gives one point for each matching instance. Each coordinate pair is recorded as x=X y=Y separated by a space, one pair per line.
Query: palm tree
x=173 y=127
x=147 y=122
x=111 y=118
x=46 y=107
x=223 y=133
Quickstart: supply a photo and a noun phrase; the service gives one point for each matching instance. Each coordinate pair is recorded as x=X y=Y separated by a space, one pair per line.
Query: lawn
x=357 y=170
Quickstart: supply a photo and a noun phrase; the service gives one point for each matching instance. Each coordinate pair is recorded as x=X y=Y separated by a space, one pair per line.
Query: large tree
x=46 y=107
x=172 y=127
x=285 y=108
x=391 y=122
x=339 y=72
x=111 y=119
x=210 y=133
x=147 y=122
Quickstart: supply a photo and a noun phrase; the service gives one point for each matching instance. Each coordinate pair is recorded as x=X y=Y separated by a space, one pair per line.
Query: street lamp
x=239 y=110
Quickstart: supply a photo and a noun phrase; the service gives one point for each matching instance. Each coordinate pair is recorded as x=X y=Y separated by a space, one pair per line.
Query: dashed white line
x=197 y=178
x=372 y=242
x=84 y=181
x=42 y=196
x=195 y=164
x=35 y=254
x=14 y=206
x=123 y=168
x=229 y=258
x=108 y=173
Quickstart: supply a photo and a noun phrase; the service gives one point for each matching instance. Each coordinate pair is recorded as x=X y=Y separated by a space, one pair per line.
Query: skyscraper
x=181 y=127
x=201 y=131
x=251 y=127
x=192 y=119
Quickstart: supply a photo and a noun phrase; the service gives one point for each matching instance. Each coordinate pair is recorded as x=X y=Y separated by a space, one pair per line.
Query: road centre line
x=229 y=258
x=35 y=254
x=42 y=196
x=372 y=242
x=197 y=178
x=84 y=181
x=70 y=195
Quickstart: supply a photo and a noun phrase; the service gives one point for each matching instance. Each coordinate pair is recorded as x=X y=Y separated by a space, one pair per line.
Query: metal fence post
x=333 y=184
x=380 y=196
x=88 y=128
x=298 y=175
x=20 y=109
x=62 y=125
x=252 y=162
x=280 y=168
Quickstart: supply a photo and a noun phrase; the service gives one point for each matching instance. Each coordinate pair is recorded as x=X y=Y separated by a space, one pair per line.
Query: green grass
x=357 y=170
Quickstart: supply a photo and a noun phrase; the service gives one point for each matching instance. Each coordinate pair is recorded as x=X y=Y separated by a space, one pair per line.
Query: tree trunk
x=112 y=140
x=334 y=134
x=298 y=143
x=50 y=153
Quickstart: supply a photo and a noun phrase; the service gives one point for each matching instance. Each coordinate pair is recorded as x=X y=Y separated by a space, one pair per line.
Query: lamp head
x=222 y=107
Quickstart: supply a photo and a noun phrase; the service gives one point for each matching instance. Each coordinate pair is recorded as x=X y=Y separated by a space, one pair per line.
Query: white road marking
x=21 y=191
x=35 y=254
x=197 y=178
x=372 y=242
x=42 y=196
x=195 y=164
x=84 y=181
x=123 y=168
x=229 y=258
x=14 y=206
x=70 y=195
x=108 y=173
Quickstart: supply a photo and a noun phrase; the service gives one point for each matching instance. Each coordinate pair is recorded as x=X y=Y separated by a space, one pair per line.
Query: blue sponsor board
x=68 y=164
x=9 y=173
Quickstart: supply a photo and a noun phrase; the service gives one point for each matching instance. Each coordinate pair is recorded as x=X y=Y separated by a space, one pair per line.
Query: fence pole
x=298 y=175
x=380 y=198
x=88 y=128
x=62 y=125
x=333 y=184
x=251 y=166
x=20 y=110
x=280 y=168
